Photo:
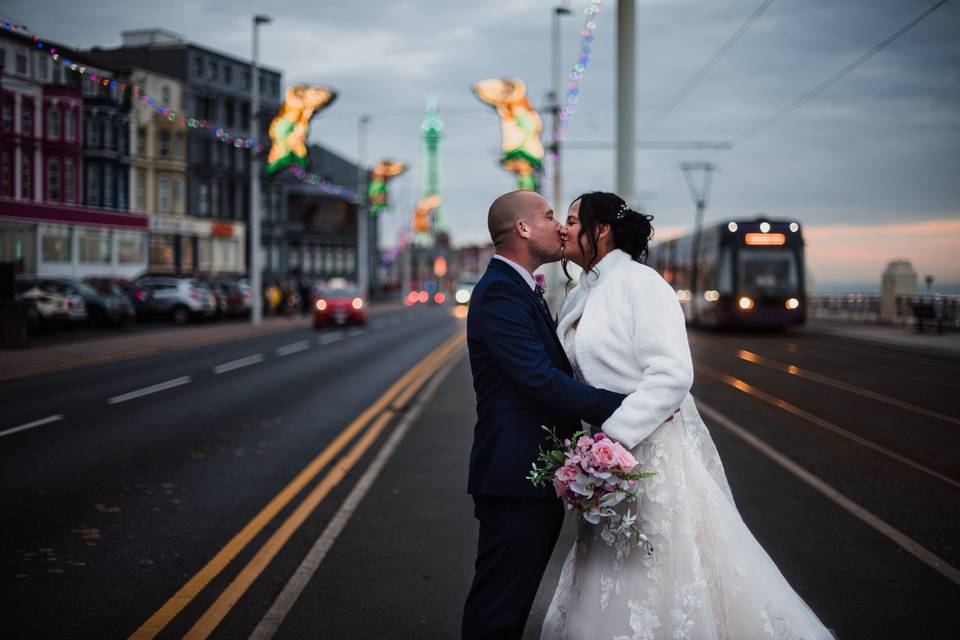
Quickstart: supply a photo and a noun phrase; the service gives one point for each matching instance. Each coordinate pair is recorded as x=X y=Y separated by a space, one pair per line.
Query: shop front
x=188 y=246
x=56 y=240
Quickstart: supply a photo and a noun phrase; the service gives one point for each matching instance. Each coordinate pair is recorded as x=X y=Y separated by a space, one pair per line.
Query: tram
x=747 y=273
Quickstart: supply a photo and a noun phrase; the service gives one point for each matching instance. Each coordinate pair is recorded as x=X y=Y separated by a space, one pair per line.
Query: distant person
x=708 y=578
x=522 y=380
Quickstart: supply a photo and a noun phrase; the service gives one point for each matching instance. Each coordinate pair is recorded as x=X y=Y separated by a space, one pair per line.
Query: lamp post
x=626 y=116
x=363 y=221
x=554 y=288
x=256 y=257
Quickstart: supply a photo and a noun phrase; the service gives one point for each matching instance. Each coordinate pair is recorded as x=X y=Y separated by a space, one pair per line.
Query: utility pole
x=626 y=116
x=363 y=222
x=700 y=196
x=555 y=274
x=256 y=255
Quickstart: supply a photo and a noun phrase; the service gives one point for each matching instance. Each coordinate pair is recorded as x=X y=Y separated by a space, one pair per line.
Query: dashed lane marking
x=238 y=363
x=31 y=425
x=163 y=386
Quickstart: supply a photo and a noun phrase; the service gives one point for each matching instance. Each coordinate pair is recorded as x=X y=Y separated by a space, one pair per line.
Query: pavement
x=119 y=345
x=891 y=335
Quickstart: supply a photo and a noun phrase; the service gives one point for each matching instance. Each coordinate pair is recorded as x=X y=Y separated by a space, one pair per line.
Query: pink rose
x=585 y=442
x=567 y=473
x=600 y=436
x=623 y=458
x=603 y=454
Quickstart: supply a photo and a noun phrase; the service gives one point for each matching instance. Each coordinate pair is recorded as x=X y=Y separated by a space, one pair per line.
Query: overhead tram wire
x=669 y=106
x=752 y=131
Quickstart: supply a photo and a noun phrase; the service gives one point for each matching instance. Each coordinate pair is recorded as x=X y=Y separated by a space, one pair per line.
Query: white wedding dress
x=707 y=578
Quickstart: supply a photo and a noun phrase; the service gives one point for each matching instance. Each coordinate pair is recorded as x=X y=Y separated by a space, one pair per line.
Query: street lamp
x=363 y=221
x=256 y=258
x=555 y=277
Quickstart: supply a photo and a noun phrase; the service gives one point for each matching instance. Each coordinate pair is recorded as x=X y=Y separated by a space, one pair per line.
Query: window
x=161 y=250
x=178 y=146
x=215 y=198
x=69 y=180
x=141 y=187
x=293 y=261
x=43 y=68
x=245 y=115
x=26 y=177
x=26 y=117
x=165 y=96
x=177 y=193
x=22 y=62
x=274 y=87
x=198 y=66
x=6 y=182
x=7 y=118
x=53 y=179
x=203 y=202
x=53 y=123
x=212 y=70
x=93 y=133
x=130 y=246
x=55 y=242
x=164 y=144
x=94 y=244
x=164 y=194
x=246 y=79
x=108 y=135
x=141 y=140
x=231 y=111
x=122 y=139
x=122 y=186
x=93 y=185
x=108 y=191
x=227 y=73
x=69 y=132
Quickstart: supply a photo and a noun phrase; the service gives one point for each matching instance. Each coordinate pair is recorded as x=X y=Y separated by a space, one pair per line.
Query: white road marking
x=238 y=363
x=910 y=546
x=295 y=347
x=356 y=332
x=163 y=386
x=31 y=425
x=328 y=338
x=301 y=577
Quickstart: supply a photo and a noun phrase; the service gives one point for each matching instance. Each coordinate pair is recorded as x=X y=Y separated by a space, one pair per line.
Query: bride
x=707 y=578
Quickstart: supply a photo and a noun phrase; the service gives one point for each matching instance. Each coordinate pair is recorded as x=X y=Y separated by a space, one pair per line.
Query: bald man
x=522 y=381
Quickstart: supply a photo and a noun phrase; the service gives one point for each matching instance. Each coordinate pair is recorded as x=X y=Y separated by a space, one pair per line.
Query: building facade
x=215 y=87
x=44 y=228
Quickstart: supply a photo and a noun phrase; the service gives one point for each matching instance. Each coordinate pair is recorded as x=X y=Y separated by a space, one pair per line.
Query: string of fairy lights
x=577 y=71
x=220 y=134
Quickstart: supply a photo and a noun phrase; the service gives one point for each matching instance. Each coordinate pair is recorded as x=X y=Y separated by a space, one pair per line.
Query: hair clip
x=622 y=210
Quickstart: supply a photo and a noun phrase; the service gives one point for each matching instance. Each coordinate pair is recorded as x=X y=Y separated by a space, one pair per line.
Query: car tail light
x=44 y=299
x=69 y=304
x=196 y=294
x=439 y=298
x=357 y=303
x=138 y=295
x=423 y=296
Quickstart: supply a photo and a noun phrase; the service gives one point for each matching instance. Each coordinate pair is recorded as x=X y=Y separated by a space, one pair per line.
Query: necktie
x=542 y=303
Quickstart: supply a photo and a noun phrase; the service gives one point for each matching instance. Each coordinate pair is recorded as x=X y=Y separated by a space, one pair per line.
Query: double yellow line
x=380 y=412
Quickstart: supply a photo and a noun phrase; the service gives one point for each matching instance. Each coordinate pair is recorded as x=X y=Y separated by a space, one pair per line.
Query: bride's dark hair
x=631 y=229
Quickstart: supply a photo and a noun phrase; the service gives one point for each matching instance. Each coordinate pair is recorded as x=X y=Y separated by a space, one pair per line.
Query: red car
x=339 y=306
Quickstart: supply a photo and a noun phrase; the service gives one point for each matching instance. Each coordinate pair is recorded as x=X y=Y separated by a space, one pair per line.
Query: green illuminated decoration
x=288 y=131
x=377 y=189
x=520 y=127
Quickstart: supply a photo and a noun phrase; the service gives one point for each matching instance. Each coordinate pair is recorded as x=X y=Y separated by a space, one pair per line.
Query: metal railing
x=865 y=307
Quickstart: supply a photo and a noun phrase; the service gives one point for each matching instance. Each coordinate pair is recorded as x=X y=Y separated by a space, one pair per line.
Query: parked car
x=138 y=296
x=342 y=305
x=48 y=310
x=180 y=299
x=74 y=302
x=237 y=295
x=111 y=308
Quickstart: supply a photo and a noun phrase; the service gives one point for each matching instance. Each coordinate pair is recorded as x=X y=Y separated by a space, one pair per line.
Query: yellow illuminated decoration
x=520 y=127
x=377 y=189
x=421 y=215
x=288 y=131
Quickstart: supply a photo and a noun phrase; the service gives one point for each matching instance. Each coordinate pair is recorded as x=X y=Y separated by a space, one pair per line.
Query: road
x=842 y=456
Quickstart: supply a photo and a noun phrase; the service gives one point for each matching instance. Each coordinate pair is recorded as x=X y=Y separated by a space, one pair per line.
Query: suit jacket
x=522 y=380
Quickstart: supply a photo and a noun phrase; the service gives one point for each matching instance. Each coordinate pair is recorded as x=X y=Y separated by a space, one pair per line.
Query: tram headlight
x=765 y=227
x=746 y=303
x=792 y=304
x=711 y=296
x=794 y=227
x=732 y=227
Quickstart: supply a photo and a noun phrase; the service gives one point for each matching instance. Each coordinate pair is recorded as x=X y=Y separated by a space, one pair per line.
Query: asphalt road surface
x=842 y=456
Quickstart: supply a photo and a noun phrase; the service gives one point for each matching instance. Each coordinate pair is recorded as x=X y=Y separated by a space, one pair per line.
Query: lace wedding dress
x=707 y=578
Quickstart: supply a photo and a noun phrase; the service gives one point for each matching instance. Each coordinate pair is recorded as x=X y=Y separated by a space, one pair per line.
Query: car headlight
x=792 y=304
x=746 y=303
x=321 y=305
x=462 y=296
x=357 y=303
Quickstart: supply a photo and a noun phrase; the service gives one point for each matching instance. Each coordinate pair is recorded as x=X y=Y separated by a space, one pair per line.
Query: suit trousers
x=517 y=536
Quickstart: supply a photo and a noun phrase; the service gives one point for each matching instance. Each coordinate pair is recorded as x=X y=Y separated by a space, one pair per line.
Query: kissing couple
x=618 y=359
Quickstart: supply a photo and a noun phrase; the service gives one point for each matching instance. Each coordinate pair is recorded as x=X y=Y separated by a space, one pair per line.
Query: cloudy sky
x=870 y=167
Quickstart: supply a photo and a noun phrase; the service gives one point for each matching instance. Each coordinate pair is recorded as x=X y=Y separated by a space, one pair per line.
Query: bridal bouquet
x=593 y=474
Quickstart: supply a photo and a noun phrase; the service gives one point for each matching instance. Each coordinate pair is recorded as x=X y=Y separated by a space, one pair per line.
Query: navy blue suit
x=522 y=380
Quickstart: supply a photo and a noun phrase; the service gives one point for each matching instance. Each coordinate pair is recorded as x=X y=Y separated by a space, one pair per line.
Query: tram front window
x=770 y=271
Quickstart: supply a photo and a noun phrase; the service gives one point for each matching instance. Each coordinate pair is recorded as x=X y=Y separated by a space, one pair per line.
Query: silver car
x=181 y=299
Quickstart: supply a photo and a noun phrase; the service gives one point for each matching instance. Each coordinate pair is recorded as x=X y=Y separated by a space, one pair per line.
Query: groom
x=522 y=381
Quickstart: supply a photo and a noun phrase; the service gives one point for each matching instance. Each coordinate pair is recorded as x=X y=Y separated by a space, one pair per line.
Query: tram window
x=725 y=279
x=768 y=269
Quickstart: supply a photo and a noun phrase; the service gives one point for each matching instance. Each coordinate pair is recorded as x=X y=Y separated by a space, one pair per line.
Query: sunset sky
x=869 y=167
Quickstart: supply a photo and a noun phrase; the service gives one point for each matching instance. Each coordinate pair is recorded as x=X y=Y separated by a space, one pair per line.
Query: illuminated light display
x=289 y=129
x=520 y=127
x=377 y=188
x=765 y=239
x=421 y=215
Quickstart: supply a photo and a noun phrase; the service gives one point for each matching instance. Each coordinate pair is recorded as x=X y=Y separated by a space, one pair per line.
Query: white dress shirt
x=523 y=272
